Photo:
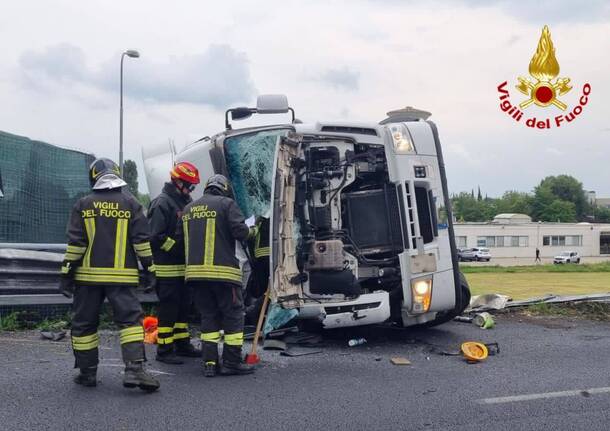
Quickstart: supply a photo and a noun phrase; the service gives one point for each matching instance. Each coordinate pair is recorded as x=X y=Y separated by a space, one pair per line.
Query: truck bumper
x=367 y=309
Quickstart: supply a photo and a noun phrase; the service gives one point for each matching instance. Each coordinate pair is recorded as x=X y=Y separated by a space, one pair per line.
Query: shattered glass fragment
x=250 y=164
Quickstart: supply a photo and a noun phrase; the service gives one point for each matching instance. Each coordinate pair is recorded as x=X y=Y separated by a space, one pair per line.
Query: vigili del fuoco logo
x=545 y=89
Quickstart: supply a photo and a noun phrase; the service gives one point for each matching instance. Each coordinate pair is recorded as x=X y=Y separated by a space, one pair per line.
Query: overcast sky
x=353 y=60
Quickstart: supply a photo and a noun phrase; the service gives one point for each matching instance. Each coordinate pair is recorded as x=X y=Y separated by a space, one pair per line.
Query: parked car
x=567 y=257
x=476 y=254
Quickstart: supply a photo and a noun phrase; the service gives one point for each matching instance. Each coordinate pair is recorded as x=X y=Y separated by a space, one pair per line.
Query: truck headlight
x=422 y=294
x=403 y=143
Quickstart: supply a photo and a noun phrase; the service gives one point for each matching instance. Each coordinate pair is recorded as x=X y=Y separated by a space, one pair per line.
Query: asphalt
x=355 y=388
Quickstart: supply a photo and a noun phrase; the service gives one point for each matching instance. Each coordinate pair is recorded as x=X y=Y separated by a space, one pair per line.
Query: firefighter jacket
x=163 y=215
x=106 y=231
x=210 y=226
x=261 y=240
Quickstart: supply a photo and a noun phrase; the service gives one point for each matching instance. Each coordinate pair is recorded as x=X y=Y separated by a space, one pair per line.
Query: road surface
x=551 y=374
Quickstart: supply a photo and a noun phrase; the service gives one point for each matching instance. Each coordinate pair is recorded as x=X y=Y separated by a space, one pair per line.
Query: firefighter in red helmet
x=174 y=297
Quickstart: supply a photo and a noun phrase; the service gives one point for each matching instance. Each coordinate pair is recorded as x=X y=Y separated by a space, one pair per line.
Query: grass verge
x=592 y=267
x=530 y=285
x=586 y=310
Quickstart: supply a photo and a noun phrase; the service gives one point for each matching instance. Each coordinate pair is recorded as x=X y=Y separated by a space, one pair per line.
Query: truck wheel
x=446 y=316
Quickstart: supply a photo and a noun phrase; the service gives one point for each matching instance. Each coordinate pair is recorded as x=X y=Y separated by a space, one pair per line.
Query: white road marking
x=530 y=397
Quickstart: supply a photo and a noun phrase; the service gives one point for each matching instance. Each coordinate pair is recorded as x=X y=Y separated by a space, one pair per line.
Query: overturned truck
x=360 y=220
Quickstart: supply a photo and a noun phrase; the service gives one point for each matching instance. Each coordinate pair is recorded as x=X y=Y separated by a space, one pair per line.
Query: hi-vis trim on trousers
x=132 y=334
x=169 y=271
x=165 y=335
x=86 y=342
x=211 y=337
x=181 y=331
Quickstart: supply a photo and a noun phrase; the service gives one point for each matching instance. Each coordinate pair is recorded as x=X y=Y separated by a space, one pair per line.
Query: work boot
x=187 y=350
x=136 y=376
x=87 y=377
x=235 y=369
x=209 y=369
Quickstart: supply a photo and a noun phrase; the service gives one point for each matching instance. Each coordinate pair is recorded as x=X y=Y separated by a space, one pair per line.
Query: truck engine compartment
x=349 y=221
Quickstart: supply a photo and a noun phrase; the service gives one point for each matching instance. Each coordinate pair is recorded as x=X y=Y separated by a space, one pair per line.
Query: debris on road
x=399 y=360
x=273 y=344
x=484 y=320
x=299 y=351
x=53 y=335
x=474 y=351
x=356 y=342
x=493 y=349
x=278 y=317
x=490 y=301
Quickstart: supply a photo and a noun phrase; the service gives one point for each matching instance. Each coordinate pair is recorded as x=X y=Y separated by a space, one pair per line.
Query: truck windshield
x=249 y=160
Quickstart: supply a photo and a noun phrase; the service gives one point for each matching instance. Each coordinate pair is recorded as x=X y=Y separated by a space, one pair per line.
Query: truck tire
x=446 y=316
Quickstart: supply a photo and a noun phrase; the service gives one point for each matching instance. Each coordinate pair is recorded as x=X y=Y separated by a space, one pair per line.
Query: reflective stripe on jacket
x=106 y=231
x=210 y=226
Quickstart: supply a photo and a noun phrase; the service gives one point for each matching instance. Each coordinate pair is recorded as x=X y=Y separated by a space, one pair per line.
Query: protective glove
x=253 y=232
x=66 y=287
x=150 y=281
x=66 y=282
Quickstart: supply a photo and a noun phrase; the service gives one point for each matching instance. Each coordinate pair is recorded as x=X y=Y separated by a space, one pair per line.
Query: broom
x=252 y=358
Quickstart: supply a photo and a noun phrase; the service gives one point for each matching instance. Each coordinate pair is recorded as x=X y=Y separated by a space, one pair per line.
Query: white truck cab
x=360 y=219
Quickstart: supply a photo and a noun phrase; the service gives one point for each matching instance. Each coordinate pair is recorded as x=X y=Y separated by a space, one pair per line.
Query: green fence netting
x=40 y=183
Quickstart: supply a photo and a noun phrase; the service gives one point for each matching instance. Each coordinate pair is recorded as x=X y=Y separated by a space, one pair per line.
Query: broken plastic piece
x=278 y=317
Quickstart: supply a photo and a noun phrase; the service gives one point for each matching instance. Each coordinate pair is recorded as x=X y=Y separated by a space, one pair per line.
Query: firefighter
x=259 y=277
x=174 y=297
x=107 y=229
x=210 y=226
x=261 y=257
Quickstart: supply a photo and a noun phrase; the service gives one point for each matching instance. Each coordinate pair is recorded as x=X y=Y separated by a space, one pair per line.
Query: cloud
x=218 y=77
x=343 y=78
x=550 y=11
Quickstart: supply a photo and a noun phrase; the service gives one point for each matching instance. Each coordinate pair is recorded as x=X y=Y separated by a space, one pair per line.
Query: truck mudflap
x=367 y=309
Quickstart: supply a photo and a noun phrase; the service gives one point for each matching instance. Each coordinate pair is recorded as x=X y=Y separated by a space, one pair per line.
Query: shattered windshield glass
x=250 y=164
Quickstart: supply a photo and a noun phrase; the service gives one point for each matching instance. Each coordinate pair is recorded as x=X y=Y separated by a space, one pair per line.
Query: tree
x=467 y=208
x=515 y=202
x=561 y=187
x=601 y=214
x=479 y=196
x=130 y=175
x=560 y=211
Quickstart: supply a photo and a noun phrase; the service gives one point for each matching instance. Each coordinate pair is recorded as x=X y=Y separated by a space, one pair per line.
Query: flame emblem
x=544 y=68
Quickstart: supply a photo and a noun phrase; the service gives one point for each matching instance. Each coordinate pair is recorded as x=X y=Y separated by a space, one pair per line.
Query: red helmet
x=185 y=171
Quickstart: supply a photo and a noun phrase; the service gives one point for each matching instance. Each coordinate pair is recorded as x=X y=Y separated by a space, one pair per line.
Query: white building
x=516 y=236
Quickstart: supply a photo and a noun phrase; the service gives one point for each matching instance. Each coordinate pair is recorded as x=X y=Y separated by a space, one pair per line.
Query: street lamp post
x=133 y=54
